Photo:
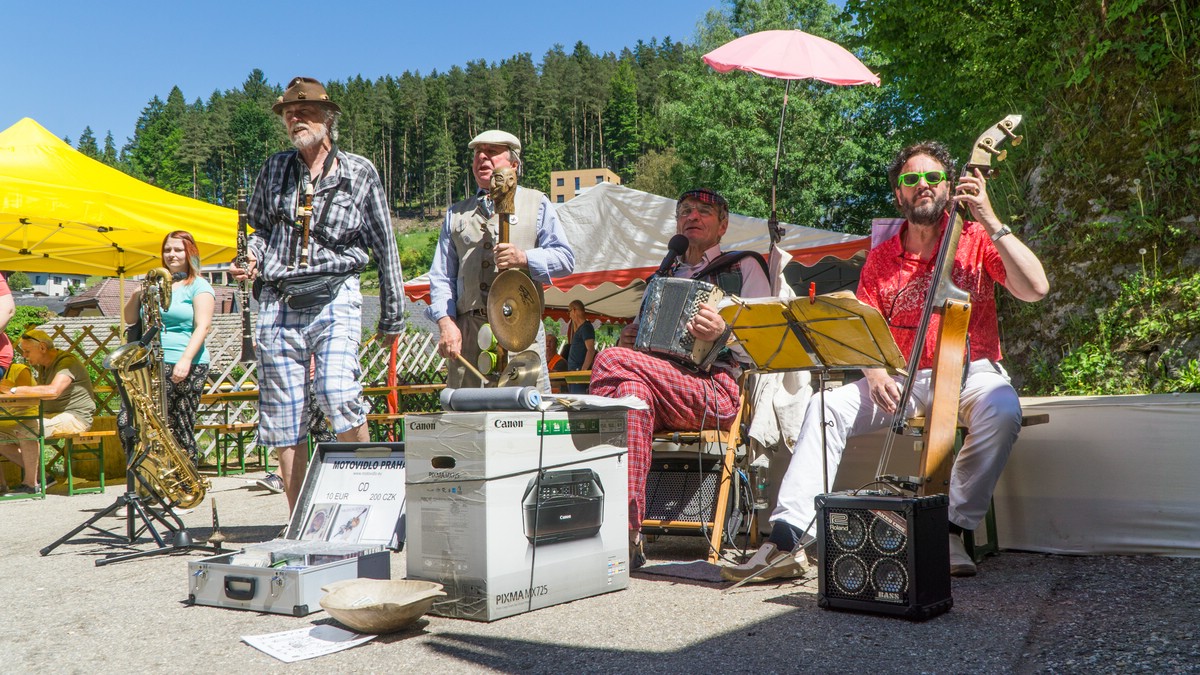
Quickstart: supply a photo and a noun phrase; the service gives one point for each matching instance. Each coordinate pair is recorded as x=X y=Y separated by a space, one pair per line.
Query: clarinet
x=305 y=219
x=243 y=260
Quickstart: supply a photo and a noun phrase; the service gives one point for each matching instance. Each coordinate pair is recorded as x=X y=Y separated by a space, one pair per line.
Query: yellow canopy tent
x=61 y=211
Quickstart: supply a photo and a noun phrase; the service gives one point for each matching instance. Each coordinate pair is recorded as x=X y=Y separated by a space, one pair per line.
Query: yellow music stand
x=822 y=333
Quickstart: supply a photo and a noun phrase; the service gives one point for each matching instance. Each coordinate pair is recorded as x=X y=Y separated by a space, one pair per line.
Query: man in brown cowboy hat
x=316 y=212
x=468 y=256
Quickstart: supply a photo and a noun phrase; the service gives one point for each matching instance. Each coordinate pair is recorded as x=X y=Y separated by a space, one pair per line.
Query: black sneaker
x=24 y=490
x=637 y=554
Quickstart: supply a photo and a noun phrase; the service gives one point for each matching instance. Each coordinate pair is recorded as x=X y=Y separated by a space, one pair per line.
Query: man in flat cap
x=469 y=256
x=316 y=212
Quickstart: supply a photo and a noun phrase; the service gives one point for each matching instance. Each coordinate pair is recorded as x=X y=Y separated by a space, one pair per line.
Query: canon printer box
x=515 y=511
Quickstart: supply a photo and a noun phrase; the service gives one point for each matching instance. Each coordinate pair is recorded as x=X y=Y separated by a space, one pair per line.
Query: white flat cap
x=496 y=137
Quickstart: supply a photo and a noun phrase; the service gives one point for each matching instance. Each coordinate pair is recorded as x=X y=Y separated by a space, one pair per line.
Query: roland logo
x=422 y=426
x=838 y=521
x=510 y=424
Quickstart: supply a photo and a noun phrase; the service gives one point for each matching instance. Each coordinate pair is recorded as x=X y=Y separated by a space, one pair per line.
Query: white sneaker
x=961 y=564
x=767 y=564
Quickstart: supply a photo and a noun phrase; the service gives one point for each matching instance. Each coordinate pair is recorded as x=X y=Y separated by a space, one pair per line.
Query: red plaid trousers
x=679 y=400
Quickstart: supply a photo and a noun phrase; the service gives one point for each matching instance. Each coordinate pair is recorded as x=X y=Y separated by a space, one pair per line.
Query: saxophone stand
x=137 y=511
x=820 y=333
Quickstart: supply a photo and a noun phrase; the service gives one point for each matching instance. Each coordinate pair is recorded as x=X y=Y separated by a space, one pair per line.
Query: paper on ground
x=306 y=643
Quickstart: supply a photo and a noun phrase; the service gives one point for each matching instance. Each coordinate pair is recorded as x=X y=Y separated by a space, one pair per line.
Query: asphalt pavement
x=1023 y=613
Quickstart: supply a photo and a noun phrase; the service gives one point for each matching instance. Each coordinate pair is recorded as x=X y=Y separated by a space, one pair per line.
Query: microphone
x=677 y=247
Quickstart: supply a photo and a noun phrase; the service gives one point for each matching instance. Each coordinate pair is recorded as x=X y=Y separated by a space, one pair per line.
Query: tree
x=109 y=155
x=621 y=118
x=19 y=281
x=658 y=173
x=87 y=144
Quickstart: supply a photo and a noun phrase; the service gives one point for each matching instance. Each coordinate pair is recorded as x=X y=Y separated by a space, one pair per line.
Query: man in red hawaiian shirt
x=895 y=280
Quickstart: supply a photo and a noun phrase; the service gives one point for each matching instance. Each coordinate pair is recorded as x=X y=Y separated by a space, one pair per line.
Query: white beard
x=311 y=136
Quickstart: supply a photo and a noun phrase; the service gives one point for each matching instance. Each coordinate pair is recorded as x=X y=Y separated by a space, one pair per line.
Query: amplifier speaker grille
x=884 y=554
x=683 y=490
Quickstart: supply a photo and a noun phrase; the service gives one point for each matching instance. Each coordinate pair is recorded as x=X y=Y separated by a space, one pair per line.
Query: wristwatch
x=1000 y=233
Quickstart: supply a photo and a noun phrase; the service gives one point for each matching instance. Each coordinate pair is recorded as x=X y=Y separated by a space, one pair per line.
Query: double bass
x=952 y=305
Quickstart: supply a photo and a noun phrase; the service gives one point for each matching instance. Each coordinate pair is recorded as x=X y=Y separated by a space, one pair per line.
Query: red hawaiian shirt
x=896 y=283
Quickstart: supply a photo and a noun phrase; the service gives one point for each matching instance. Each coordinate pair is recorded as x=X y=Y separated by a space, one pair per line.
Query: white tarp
x=620 y=236
x=1108 y=475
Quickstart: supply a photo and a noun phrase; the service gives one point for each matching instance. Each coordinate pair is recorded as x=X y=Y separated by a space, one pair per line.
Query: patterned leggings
x=182 y=400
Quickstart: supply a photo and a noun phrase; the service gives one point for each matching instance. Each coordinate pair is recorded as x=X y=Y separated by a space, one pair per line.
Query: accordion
x=667 y=306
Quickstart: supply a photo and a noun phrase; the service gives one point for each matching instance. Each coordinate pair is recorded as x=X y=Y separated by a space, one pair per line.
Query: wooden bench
x=386 y=425
x=234 y=434
x=85 y=443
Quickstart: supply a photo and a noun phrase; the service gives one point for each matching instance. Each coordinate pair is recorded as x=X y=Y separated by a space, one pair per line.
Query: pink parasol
x=788 y=55
x=791 y=55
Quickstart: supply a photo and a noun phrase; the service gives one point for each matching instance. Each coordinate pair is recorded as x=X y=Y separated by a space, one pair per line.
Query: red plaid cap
x=706 y=196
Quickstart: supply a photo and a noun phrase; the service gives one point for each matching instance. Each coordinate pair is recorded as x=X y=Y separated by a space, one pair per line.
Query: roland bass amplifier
x=884 y=554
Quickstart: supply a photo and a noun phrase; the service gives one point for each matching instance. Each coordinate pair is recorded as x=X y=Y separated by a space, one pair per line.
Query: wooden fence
x=92 y=338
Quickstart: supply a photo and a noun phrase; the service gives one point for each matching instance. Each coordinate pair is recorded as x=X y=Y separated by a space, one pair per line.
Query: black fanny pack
x=311 y=291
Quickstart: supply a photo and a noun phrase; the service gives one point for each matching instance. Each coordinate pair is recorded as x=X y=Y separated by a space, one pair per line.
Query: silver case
x=216 y=581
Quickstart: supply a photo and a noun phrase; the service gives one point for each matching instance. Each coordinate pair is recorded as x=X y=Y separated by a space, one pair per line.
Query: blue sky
x=71 y=64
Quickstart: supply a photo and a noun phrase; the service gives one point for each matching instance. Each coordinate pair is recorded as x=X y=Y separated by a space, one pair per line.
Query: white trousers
x=989 y=409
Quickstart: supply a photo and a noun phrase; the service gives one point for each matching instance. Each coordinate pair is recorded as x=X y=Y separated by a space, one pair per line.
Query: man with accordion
x=681 y=393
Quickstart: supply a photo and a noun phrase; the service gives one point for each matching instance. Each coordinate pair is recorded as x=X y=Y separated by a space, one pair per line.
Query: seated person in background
x=18 y=375
x=554 y=360
x=680 y=398
x=895 y=280
x=69 y=412
x=581 y=336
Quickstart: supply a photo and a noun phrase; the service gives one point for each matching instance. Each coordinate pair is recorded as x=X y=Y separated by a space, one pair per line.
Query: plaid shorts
x=287 y=340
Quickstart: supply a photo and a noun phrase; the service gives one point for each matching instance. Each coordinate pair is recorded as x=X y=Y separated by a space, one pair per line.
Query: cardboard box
x=351 y=510
x=515 y=511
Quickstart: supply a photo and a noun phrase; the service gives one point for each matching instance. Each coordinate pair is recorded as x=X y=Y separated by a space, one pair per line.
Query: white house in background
x=55 y=284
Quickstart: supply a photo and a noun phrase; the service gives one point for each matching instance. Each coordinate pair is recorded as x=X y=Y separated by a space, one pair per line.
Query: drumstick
x=471 y=367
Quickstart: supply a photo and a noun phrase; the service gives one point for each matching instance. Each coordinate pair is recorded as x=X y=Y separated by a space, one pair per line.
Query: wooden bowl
x=379 y=605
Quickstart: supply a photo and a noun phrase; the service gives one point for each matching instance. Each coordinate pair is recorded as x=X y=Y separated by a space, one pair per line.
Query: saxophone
x=166 y=466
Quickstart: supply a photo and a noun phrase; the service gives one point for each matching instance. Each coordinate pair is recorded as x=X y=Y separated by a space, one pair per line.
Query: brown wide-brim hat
x=304 y=90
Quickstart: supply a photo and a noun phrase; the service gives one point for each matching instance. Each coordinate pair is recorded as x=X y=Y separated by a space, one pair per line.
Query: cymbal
x=522 y=370
x=514 y=309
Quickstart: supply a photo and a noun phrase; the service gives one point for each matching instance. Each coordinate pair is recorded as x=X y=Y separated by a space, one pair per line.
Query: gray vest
x=475 y=238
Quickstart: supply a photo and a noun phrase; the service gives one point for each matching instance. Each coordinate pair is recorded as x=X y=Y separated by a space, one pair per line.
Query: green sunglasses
x=931 y=177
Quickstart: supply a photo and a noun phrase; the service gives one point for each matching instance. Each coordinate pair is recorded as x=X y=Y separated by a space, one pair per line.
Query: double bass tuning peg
x=988 y=146
x=1007 y=130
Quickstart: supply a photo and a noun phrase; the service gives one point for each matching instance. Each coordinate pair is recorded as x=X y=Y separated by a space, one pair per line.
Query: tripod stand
x=139 y=517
